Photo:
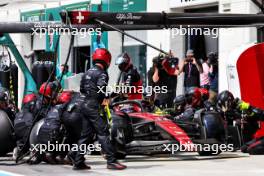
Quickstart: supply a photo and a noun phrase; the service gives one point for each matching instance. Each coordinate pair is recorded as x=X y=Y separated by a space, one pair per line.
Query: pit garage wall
x=230 y=39
x=42 y=42
x=12 y=14
x=113 y=40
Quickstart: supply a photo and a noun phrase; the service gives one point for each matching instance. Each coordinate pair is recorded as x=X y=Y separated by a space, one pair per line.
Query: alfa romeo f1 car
x=135 y=130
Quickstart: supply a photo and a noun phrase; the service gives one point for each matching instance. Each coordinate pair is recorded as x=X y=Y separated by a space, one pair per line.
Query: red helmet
x=123 y=61
x=46 y=90
x=28 y=98
x=103 y=56
x=64 y=97
x=197 y=97
x=193 y=97
x=205 y=93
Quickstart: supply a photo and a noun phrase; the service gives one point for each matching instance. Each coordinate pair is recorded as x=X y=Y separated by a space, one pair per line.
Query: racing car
x=135 y=130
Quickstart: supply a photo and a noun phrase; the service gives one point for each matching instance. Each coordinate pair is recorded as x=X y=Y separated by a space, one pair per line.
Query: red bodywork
x=167 y=125
x=137 y=95
x=251 y=78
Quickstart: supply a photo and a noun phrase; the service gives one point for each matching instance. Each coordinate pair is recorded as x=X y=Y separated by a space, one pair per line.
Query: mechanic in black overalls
x=93 y=86
x=233 y=108
x=67 y=111
x=256 y=145
x=193 y=100
x=34 y=108
x=79 y=131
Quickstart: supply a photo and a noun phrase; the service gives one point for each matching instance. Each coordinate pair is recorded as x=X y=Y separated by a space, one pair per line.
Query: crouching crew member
x=52 y=130
x=256 y=145
x=192 y=101
x=230 y=108
x=247 y=118
x=34 y=108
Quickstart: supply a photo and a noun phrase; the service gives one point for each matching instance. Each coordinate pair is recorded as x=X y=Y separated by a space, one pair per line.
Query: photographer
x=164 y=73
x=204 y=77
x=213 y=76
x=192 y=70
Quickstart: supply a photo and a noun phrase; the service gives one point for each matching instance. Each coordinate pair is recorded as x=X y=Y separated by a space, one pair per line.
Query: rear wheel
x=6 y=134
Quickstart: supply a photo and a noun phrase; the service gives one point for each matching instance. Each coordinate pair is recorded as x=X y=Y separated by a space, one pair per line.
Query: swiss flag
x=79 y=17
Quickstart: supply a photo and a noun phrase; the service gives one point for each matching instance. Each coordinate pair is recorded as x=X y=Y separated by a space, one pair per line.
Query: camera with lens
x=161 y=61
x=173 y=62
x=169 y=64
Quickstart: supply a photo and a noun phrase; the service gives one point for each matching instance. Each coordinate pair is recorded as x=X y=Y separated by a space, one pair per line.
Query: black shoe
x=116 y=166
x=64 y=161
x=81 y=166
x=244 y=149
x=50 y=159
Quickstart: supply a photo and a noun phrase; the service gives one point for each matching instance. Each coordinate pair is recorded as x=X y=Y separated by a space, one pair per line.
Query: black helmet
x=123 y=61
x=209 y=106
x=4 y=95
x=225 y=101
x=179 y=103
x=179 y=100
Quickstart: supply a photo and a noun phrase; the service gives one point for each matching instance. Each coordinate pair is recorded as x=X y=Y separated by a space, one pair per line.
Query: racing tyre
x=7 y=142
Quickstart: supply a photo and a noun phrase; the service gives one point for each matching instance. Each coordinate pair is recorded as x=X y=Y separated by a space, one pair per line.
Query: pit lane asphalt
x=182 y=164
